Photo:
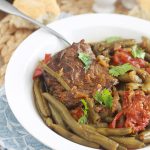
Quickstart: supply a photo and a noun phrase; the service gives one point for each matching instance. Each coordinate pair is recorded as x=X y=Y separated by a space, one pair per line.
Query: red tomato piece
x=138 y=62
x=136 y=108
x=121 y=57
x=37 y=73
x=77 y=113
x=47 y=58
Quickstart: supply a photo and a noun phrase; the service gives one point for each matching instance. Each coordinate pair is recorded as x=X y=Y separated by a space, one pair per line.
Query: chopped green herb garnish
x=138 y=52
x=113 y=39
x=83 y=119
x=97 y=97
x=104 y=97
x=120 y=70
x=86 y=59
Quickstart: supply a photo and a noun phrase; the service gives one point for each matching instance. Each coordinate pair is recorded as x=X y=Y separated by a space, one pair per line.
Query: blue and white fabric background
x=12 y=135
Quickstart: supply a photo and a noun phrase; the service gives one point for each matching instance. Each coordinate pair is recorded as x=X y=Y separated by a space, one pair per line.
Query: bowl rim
x=54 y=25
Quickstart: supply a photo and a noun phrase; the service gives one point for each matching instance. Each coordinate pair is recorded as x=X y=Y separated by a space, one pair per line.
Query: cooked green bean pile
x=106 y=104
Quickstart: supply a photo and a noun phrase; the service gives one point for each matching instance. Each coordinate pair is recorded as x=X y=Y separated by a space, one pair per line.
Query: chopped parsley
x=113 y=39
x=138 y=52
x=104 y=97
x=83 y=119
x=120 y=70
x=86 y=60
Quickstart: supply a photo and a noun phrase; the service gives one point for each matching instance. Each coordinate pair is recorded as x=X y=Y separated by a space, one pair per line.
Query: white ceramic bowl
x=18 y=80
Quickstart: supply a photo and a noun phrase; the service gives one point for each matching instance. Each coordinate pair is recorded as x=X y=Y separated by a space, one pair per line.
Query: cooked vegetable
x=104 y=97
x=121 y=148
x=113 y=39
x=40 y=100
x=86 y=59
x=70 y=136
x=146 y=140
x=133 y=86
x=98 y=94
x=147 y=57
x=56 y=117
x=130 y=77
x=55 y=75
x=129 y=142
x=120 y=70
x=83 y=119
x=114 y=132
x=93 y=115
x=138 y=52
x=78 y=129
x=144 y=134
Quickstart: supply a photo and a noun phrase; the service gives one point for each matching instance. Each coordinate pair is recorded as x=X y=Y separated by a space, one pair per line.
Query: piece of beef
x=82 y=83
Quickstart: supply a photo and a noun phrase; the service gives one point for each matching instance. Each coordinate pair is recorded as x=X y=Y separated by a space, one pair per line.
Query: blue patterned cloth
x=12 y=135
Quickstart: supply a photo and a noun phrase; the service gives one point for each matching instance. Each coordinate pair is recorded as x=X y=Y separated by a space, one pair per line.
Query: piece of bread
x=144 y=5
x=44 y=11
x=142 y=10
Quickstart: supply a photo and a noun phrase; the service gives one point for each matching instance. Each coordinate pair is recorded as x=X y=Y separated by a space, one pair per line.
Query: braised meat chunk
x=83 y=79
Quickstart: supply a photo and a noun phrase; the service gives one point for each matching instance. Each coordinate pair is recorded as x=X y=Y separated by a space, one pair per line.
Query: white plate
x=18 y=80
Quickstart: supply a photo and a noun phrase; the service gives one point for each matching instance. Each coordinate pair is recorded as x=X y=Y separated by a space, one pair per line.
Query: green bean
x=129 y=142
x=101 y=125
x=47 y=120
x=133 y=86
x=70 y=136
x=126 y=42
x=45 y=102
x=115 y=132
x=130 y=77
x=144 y=134
x=56 y=116
x=146 y=87
x=146 y=140
x=121 y=148
x=147 y=57
x=93 y=115
x=55 y=75
x=145 y=44
x=89 y=127
x=95 y=136
x=39 y=99
x=143 y=74
x=108 y=119
x=77 y=128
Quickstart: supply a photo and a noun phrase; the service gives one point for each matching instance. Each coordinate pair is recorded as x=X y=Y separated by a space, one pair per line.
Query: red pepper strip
x=37 y=73
x=47 y=58
x=117 y=117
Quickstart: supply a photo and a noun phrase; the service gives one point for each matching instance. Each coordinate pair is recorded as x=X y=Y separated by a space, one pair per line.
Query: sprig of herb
x=137 y=52
x=104 y=97
x=112 y=39
x=83 y=119
x=86 y=59
x=120 y=70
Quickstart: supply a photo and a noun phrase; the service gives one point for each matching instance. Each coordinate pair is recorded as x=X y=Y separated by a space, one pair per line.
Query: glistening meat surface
x=82 y=83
